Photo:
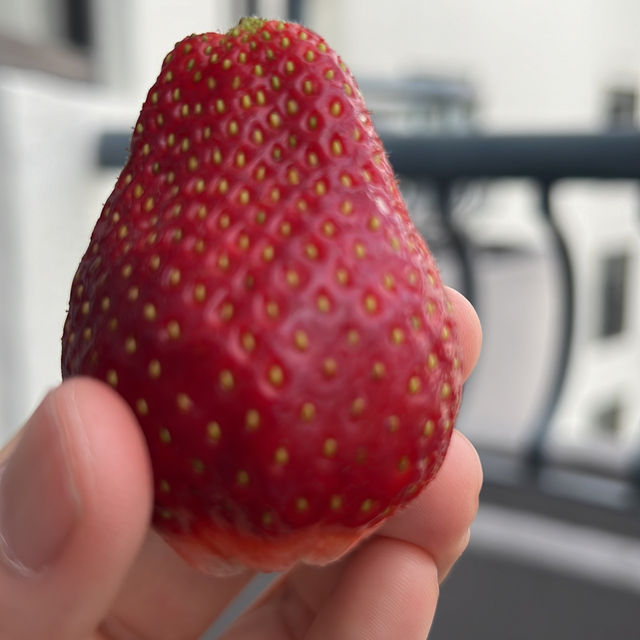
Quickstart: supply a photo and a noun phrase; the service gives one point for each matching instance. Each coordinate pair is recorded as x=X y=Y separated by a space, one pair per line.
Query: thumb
x=75 y=502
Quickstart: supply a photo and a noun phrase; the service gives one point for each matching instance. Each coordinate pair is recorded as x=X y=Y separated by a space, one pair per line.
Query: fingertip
x=464 y=456
x=469 y=329
x=359 y=608
x=439 y=518
x=458 y=482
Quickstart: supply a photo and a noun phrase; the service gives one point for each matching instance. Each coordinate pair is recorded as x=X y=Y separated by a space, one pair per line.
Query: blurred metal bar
x=566 y=282
x=459 y=242
x=544 y=157
x=448 y=158
x=113 y=149
x=78 y=22
x=295 y=10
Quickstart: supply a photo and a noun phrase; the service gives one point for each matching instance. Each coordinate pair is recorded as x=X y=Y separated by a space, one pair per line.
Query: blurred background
x=513 y=128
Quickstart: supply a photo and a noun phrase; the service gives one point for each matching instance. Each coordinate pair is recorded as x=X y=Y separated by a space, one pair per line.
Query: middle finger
x=164 y=598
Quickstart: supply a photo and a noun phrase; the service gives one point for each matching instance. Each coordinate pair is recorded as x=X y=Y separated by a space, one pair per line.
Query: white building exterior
x=536 y=65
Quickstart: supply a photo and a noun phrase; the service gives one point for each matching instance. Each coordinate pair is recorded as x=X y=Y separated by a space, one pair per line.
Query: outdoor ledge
x=64 y=62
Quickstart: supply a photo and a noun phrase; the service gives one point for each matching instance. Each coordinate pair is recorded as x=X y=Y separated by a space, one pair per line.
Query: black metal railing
x=444 y=162
x=544 y=159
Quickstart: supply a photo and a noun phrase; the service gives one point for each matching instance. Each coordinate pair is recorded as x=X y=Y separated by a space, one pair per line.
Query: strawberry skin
x=255 y=290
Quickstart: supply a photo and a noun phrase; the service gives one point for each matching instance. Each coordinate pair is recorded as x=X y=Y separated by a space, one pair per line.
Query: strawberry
x=256 y=291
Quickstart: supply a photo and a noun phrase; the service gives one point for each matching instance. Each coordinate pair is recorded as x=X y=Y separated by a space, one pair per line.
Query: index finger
x=469 y=329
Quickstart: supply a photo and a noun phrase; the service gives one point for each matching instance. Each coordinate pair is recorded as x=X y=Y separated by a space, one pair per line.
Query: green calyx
x=252 y=24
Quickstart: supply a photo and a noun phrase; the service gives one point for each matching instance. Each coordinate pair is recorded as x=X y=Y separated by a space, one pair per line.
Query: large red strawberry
x=256 y=291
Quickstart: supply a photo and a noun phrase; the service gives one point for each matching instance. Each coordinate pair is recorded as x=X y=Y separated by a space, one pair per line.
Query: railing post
x=566 y=281
x=459 y=242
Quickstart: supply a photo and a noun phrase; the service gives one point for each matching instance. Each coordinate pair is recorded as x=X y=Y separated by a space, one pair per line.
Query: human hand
x=78 y=561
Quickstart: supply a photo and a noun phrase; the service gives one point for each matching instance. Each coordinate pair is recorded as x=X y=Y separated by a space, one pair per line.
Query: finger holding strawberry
x=75 y=499
x=389 y=586
x=255 y=290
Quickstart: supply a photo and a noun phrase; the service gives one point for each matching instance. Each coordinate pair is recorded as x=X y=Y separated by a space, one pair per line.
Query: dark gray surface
x=489 y=597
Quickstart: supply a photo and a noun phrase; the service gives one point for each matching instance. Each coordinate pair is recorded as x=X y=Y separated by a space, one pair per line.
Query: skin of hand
x=78 y=560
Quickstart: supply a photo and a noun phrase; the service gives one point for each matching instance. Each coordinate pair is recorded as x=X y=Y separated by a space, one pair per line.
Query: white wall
x=600 y=220
x=49 y=179
x=49 y=132
x=537 y=64
x=133 y=36
x=31 y=20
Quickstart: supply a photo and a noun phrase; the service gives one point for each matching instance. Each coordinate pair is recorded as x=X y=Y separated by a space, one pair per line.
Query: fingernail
x=39 y=503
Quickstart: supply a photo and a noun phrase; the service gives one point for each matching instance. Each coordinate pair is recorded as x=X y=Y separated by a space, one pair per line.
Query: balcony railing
x=441 y=163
